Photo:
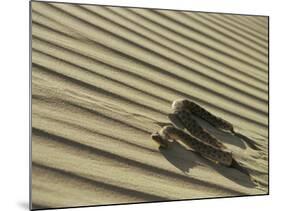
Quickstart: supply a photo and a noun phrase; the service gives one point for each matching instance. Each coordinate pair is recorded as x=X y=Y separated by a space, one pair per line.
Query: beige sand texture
x=104 y=79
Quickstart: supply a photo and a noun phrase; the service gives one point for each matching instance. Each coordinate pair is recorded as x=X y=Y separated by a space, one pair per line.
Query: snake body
x=194 y=128
x=197 y=110
x=192 y=134
x=206 y=150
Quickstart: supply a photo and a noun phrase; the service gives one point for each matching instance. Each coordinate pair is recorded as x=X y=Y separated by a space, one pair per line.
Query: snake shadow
x=185 y=159
x=223 y=136
x=235 y=173
x=236 y=139
x=179 y=156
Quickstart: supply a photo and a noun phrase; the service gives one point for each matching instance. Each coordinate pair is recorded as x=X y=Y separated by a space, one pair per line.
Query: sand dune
x=104 y=79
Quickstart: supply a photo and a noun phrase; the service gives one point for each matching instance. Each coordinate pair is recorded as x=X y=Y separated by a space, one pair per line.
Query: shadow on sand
x=235 y=138
x=185 y=159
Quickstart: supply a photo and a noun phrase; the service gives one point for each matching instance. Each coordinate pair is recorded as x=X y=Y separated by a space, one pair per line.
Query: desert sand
x=104 y=79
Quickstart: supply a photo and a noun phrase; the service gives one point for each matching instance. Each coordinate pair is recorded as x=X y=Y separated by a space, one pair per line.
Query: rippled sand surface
x=104 y=79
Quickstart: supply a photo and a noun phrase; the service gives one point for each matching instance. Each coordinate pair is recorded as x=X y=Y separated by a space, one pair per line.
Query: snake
x=184 y=119
x=186 y=129
x=197 y=110
x=215 y=154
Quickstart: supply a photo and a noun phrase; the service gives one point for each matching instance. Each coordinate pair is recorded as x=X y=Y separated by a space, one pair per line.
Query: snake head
x=159 y=140
x=178 y=105
x=169 y=132
x=183 y=104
